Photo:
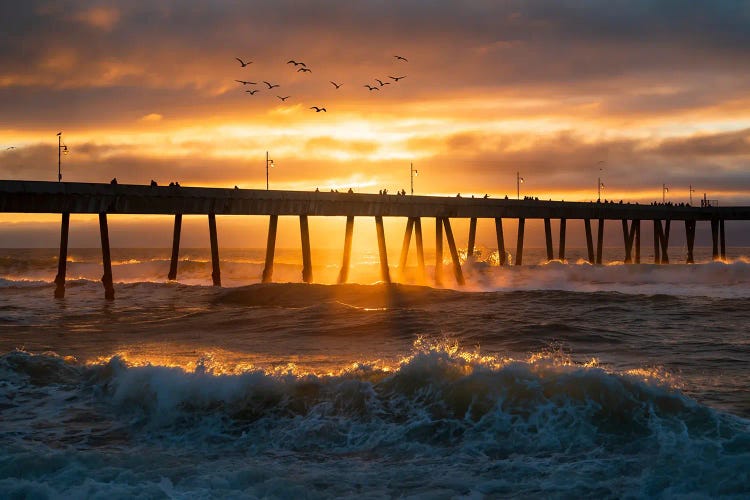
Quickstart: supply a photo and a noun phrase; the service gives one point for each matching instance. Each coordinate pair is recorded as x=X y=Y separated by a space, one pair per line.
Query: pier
x=66 y=198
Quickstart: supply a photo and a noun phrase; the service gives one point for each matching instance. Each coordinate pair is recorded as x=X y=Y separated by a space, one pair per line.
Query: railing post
x=519 y=242
x=501 y=256
x=270 y=248
x=215 y=267
x=384 y=272
x=454 y=252
x=175 y=247
x=344 y=273
x=109 y=290
x=62 y=260
x=304 y=230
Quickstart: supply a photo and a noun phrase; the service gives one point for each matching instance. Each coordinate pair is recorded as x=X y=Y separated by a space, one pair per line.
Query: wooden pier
x=80 y=198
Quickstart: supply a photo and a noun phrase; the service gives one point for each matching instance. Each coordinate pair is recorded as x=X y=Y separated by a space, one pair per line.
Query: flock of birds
x=301 y=67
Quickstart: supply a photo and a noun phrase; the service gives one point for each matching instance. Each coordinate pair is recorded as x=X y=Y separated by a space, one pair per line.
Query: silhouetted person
x=153 y=183
x=176 y=184
x=350 y=191
x=113 y=181
x=486 y=196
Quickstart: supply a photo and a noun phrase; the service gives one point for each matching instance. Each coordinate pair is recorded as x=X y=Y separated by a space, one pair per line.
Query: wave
x=441 y=422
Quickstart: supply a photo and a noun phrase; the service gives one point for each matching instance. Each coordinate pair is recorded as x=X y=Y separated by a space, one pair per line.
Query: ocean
x=547 y=380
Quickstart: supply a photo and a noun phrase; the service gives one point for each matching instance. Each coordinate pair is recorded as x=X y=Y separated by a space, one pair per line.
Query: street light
x=599 y=184
x=519 y=180
x=691 y=190
x=61 y=149
x=413 y=172
x=269 y=162
x=664 y=191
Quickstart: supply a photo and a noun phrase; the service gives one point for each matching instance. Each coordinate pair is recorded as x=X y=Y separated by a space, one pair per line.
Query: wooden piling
x=589 y=240
x=715 y=238
x=385 y=274
x=344 y=273
x=454 y=252
x=519 y=242
x=175 y=247
x=420 y=248
x=472 y=239
x=637 y=243
x=500 y=241
x=405 y=246
x=548 y=239
x=599 y=241
x=665 y=242
x=215 y=268
x=273 y=221
x=722 y=240
x=304 y=230
x=62 y=261
x=657 y=241
x=628 y=240
x=561 y=249
x=109 y=290
x=690 y=239
x=438 y=251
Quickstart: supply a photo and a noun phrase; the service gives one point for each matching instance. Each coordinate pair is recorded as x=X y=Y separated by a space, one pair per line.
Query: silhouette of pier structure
x=81 y=198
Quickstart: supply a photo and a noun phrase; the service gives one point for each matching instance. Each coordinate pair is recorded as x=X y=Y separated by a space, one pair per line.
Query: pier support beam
x=62 y=261
x=109 y=290
x=438 y=251
x=454 y=252
x=500 y=241
x=715 y=238
x=628 y=235
x=175 y=247
x=589 y=240
x=385 y=274
x=561 y=249
x=519 y=242
x=344 y=273
x=405 y=246
x=270 y=248
x=304 y=230
x=599 y=241
x=722 y=239
x=637 y=224
x=548 y=239
x=472 y=239
x=665 y=242
x=657 y=241
x=215 y=269
x=690 y=239
x=420 y=248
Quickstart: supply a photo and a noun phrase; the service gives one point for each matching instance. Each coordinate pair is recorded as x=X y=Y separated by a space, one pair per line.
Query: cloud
x=151 y=117
x=103 y=18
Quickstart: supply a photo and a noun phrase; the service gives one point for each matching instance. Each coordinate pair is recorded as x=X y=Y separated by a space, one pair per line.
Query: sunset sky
x=657 y=90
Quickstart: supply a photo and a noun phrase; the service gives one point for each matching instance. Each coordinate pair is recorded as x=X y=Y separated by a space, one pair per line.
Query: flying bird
x=292 y=61
x=270 y=85
x=381 y=82
x=370 y=87
x=318 y=110
x=304 y=70
x=252 y=92
x=283 y=98
x=243 y=63
x=9 y=148
x=244 y=82
x=397 y=78
x=337 y=85
x=401 y=58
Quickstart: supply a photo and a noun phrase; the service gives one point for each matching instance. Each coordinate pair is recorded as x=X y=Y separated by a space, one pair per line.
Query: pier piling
x=561 y=249
x=344 y=273
x=690 y=239
x=439 y=251
x=519 y=242
x=657 y=241
x=599 y=241
x=472 y=239
x=723 y=240
x=548 y=238
x=304 y=230
x=405 y=246
x=384 y=272
x=273 y=221
x=715 y=239
x=215 y=269
x=454 y=252
x=500 y=241
x=589 y=240
x=637 y=224
x=175 y=247
x=420 y=248
x=62 y=261
x=665 y=242
x=109 y=290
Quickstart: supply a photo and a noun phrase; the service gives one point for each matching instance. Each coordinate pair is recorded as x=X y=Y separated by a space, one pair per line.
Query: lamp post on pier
x=664 y=191
x=269 y=162
x=61 y=149
x=691 y=191
x=413 y=172
x=599 y=183
x=519 y=180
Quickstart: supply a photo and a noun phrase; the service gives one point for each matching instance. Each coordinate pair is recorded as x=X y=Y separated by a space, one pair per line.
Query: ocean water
x=541 y=381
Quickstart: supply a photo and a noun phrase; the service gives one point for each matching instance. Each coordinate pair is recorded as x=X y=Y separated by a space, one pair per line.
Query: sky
x=639 y=94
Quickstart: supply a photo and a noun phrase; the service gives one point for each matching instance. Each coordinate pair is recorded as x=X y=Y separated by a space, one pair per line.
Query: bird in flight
x=244 y=82
x=318 y=110
x=370 y=87
x=381 y=82
x=337 y=85
x=401 y=58
x=252 y=92
x=396 y=78
x=283 y=98
x=9 y=148
x=243 y=63
x=292 y=61
x=304 y=70
x=270 y=85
